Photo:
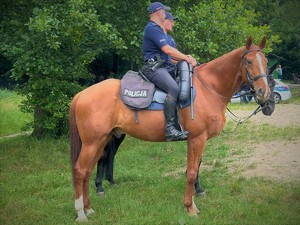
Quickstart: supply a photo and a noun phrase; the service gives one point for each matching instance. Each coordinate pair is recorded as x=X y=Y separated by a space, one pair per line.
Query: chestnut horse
x=97 y=113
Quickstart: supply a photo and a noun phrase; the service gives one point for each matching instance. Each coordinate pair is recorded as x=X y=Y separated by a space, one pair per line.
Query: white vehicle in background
x=281 y=92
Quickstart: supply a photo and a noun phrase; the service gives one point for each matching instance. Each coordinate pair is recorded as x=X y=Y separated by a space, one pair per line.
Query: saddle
x=138 y=93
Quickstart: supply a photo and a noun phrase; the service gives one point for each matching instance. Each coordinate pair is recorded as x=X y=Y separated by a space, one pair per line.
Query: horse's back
x=107 y=87
x=97 y=106
x=102 y=94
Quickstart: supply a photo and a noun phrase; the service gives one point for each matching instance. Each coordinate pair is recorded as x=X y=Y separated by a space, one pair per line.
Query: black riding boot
x=172 y=134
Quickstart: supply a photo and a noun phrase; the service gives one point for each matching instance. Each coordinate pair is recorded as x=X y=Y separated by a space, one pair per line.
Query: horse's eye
x=249 y=62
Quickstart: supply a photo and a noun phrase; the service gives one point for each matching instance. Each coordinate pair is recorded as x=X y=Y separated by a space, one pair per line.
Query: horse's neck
x=224 y=73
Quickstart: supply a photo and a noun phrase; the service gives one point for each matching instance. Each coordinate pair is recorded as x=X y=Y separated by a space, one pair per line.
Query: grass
x=36 y=185
x=295 y=95
x=12 y=119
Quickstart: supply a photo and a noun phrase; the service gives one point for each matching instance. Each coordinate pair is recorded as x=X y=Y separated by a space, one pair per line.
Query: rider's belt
x=150 y=60
x=154 y=64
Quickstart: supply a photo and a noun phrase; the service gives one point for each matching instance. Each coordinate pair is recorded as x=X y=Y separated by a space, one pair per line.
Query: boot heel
x=181 y=137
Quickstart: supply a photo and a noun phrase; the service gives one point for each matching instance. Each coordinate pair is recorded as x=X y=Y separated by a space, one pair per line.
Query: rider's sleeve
x=157 y=36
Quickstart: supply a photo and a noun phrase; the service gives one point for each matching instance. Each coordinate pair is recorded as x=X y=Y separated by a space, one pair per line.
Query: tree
x=57 y=44
x=287 y=25
x=129 y=19
x=215 y=28
x=284 y=20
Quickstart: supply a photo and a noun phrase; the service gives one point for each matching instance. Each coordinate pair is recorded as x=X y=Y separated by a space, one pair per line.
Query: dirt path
x=278 y=160
x=283 y=116
x=17 y=134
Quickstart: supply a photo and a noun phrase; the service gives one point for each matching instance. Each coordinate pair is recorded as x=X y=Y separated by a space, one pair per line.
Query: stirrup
x=181 y=137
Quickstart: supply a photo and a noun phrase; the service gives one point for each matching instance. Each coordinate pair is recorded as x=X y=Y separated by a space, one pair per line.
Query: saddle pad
x=135 y=91
x=159 y=98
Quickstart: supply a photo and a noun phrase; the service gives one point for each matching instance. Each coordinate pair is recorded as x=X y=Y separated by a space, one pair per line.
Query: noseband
x=249 y=77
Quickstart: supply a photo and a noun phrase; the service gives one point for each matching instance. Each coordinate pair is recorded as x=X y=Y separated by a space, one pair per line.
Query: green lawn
x=36 y=184
x=295 y=95
x=12 y=120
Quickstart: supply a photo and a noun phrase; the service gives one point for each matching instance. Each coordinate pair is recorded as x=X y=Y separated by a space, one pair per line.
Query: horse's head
x=255 y=64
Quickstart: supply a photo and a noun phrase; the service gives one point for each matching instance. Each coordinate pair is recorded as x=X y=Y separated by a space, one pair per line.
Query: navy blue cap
x=169 y=16
x=155 y=6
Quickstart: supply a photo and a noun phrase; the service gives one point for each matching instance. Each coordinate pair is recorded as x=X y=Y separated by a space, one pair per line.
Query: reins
x=240 y=121
x=208 y=88
x=235 y=118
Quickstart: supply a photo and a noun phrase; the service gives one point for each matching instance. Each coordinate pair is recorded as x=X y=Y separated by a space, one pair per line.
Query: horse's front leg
x=195 y=150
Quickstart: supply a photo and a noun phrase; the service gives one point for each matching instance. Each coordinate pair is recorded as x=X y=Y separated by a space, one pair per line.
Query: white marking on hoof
x=196 y=210
x=82 y=219
x=89 y=211
x=100 y=194
x=193 y=210
x=202 y=194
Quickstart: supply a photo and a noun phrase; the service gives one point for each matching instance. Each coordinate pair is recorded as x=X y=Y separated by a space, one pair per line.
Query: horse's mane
x=216 y=72
x=222 y=58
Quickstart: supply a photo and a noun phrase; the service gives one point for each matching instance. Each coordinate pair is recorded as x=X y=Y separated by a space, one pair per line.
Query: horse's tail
x=75 y=141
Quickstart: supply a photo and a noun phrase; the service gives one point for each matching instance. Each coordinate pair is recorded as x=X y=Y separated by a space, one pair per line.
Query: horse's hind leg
x=79 y=175
x=99 y=177
x=86 y=195
x=82 y=172
x=198 y=189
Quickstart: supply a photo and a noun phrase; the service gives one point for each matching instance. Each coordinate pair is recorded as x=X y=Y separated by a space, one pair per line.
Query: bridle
x=250 y=80
x=244 y=63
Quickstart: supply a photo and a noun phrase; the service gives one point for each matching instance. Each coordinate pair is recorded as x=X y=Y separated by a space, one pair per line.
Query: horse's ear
x=248 y=42
x=263 y=42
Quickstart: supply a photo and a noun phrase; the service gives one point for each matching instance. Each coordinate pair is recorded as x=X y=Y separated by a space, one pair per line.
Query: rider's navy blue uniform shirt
x=154 y=39
x=171 y=42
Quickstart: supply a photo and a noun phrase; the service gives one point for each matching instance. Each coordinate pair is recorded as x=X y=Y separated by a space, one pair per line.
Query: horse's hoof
x=111 y=182
x=89 y=211
x=193 y=211
x=201 y=193
x=195 y=208
x=100 y=194
x=82 y=219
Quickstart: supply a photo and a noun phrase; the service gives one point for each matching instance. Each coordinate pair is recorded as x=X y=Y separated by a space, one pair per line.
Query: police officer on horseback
x=158 y=68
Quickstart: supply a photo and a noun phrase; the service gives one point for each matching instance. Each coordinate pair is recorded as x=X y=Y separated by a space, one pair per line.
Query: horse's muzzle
x=262 y=95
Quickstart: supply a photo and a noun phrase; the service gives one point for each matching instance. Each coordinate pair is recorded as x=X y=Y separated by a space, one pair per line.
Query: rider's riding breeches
x=163 y=80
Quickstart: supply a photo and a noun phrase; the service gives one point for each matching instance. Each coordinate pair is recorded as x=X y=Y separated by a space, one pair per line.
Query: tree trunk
x=38 y=130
